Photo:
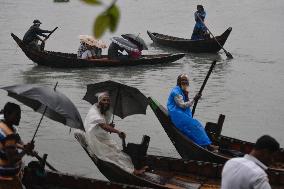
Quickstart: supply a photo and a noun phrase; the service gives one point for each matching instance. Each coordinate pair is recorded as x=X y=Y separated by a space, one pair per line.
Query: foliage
x=108 y=19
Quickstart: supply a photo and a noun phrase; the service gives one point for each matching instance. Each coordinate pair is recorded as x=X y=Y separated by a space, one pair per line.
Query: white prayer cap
x=102 y=95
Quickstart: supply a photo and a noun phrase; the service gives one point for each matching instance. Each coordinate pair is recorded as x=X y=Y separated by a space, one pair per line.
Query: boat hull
x=187 y=45
x=69 y=60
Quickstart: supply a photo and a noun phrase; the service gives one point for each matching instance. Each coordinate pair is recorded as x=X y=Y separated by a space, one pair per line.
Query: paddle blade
x=229 y=55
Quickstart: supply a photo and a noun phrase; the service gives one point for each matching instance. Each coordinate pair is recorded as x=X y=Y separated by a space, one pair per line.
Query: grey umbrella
x=125 y=100
x=136 y=40
x=48 y=102
x=125 y=44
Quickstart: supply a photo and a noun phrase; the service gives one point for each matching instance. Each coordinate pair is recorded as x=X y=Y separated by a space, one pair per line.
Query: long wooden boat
x=36 y=179
x=163 y=173
x=70 y=60
x=196 y=46
x=229 y=147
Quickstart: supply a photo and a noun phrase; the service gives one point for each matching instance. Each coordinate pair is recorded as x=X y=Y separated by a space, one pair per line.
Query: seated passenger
x=90 y=47
x=98 y=127
x=179 y=111
x=117 y=52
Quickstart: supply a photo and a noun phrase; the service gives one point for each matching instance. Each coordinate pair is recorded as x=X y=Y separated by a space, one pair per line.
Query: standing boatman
x=31 y=37
x=200 y=30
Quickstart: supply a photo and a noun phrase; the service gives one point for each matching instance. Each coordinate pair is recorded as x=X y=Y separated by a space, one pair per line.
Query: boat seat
x=138 y=151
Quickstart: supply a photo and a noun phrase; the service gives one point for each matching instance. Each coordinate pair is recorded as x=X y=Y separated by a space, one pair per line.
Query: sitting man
x=115 y=52
x=249 y=171
x=31 y=37
x=10 y=142
x=179 y=111
x=98 y=128
x=90 y=47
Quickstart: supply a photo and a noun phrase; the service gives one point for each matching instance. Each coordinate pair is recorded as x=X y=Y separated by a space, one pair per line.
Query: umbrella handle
x=42 y=116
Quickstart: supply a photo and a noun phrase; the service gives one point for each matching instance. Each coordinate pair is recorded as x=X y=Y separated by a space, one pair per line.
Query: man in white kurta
x=248 y=172
x=97 y=126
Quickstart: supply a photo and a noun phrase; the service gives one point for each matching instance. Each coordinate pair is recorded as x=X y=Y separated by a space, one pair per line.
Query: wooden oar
x=42 y=45
x=44 y=162
x=203 y=85
x=229 y=55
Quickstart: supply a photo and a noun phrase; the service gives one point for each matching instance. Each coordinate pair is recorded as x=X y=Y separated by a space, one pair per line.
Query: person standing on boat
x=10 y=158
x=31 y=37
x=248 y=172
x=200 y=30
x=98 y=127
x=178 y=106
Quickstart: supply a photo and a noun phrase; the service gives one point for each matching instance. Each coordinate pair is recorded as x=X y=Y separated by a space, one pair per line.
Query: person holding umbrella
x=10 y=142
x=98 y=127
x=90 y=47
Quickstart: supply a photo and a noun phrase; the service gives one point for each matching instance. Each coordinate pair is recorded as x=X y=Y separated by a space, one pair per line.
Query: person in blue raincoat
x=200 y=30
x=180 y=114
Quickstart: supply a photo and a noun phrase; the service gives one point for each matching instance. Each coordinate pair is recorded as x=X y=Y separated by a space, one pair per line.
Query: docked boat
x=229 y=147
x=70 y=60
x=36 y=178
x=196 y=46
x=163 y=172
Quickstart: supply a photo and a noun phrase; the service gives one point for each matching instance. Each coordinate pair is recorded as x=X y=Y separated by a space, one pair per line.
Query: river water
x=248 y=89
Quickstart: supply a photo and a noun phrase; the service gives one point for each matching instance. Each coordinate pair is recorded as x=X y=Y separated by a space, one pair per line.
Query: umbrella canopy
x=125 y=44
x=90 y=40
x=125 y=100
x=58 y=106
x=136 y=40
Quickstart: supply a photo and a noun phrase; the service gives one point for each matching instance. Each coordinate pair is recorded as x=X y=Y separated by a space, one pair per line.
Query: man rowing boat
x=31 y=37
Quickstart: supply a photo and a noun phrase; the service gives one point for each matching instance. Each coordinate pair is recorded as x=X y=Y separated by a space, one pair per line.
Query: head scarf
x=102 y=95
x=180 y=78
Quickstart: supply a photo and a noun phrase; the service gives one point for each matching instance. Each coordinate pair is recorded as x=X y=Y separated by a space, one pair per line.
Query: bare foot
x=213 y=148
x=140 y=171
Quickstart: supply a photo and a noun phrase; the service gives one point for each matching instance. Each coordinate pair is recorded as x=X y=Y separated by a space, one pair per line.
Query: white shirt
x=244 y=173
x=87 y=54
x=100 y=141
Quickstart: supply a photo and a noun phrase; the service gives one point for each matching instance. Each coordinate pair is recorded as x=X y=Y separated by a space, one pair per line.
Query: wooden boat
x=164 y=172
x=229 y=147
x=196 y=46
x=51 y=180
x=69 y=60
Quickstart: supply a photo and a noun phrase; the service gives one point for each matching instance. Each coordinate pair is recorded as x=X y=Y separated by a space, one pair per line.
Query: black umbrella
x=136 y=40
x=125 y=100
x=48 y=102
x=125 y=44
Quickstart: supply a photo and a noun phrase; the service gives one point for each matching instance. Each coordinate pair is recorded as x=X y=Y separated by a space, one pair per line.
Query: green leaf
x=101 y=24
x=107 y=19
x=92 y=2
x=114 y=15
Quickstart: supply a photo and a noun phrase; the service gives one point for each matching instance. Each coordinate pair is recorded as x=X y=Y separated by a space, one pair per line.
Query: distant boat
x=196 y=46
x=70 y=60
x=60 y=1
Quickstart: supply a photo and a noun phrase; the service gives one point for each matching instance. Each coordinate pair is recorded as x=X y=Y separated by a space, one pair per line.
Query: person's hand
x=29 y=147
x=197 y=96
x=112 y=125
x=121 y=135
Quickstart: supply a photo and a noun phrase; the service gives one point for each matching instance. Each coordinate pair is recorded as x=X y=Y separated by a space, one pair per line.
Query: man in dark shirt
x=31 y=37
x=115 y=51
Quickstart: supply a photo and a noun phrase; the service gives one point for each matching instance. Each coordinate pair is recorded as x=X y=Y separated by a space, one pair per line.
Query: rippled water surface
x=248 y=89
